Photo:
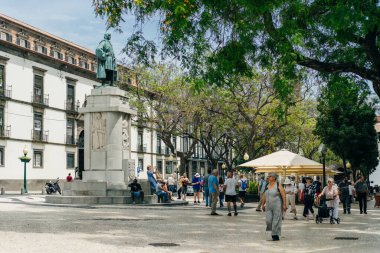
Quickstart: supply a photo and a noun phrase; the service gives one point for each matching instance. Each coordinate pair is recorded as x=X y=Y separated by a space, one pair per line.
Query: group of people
x=275 y=198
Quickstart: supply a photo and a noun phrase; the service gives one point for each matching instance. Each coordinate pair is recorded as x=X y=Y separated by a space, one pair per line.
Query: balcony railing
x=70 y=140
x=5 y=131
x=40 y=99
x=72 y=106
x=38 y=135
x=6 y=92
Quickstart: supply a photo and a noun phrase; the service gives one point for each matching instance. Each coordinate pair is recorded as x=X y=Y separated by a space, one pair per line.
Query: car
x=190 y=190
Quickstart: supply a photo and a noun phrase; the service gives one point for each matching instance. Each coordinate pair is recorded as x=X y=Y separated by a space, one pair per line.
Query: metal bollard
x=22 y=191
x=43 y=192
x=2 y=191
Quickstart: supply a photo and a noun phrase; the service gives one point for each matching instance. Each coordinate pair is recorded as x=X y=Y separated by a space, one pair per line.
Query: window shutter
x=44 y=50
x=51 y=52
x=9 y=37
x=75 y=62
x=66 y=58
x=27 y=44
x=60 y=56
x=18 y=41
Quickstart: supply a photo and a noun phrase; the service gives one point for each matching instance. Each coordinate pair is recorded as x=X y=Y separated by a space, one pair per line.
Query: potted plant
x=252 y=195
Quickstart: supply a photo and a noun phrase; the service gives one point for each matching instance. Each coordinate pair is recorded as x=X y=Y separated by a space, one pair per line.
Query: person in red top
x=69 y=178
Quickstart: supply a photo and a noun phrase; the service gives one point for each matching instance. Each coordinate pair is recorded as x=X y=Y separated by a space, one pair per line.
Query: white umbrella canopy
x=285 y=162
x=281 y=160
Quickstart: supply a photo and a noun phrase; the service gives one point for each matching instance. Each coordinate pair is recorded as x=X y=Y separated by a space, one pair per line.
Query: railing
x=7 y=92
x=5 y=131
x=72 y=106
x=38 y=135
x=40 y=99
x=70 y=140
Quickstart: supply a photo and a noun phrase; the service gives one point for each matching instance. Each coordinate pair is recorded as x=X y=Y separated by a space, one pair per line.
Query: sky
x=73 y=20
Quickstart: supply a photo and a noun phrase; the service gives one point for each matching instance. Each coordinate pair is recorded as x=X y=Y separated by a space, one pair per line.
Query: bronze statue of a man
x=107 y=67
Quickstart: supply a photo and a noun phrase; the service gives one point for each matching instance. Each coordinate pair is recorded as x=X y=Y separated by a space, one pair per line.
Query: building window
x=70 y=160
x=70 y=97
x=23 y=43
x=158 y=143
x=2 y=79
x=37 y=127
x=71 y=60
x=70 y=131
x=56 y=54
x=159 y=167
x=41 y=49
x=37 y=159
x=140 y=165
x=83 y=64
x=38 y=89
x=5 y=36
x=140 y=140
x=168 y=169
x=1 y=156
x=175 y=143
x=2 y=121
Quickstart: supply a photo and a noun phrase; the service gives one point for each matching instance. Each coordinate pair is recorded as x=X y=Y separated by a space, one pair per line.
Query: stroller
x=324 y=212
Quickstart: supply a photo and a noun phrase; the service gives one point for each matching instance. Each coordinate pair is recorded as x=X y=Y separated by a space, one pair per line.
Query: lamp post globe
x=25 y=151
x=246 y=156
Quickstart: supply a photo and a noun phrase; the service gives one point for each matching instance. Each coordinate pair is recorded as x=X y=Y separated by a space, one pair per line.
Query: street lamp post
x=323 y=151
x=25 y=160
x=224 y=169
x=348 y=166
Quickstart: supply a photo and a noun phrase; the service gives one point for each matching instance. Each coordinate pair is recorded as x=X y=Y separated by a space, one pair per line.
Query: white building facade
x=43 y=81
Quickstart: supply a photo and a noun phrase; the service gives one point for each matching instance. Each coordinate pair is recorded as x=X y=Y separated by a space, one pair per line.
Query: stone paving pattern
x=30 y=225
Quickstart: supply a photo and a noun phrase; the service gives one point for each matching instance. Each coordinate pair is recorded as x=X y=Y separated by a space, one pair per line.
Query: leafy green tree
x=346 y=123
x=218 y=40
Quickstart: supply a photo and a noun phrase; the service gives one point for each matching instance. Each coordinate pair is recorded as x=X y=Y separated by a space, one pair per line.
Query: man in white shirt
x=291 y=191
x=171 y=183
x=230 y=188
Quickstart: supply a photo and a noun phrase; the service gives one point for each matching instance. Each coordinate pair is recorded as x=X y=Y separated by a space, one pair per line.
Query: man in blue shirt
x=213 y=185
x=196 y=182
x=151 y=179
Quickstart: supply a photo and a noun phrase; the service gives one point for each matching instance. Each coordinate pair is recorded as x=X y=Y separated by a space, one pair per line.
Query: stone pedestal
x=107 y=124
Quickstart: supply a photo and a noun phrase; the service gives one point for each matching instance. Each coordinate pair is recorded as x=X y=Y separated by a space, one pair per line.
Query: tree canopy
x=346 y=123
x=218 y=40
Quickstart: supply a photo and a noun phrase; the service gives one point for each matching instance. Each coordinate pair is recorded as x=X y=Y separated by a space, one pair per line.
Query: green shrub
x=252 y=187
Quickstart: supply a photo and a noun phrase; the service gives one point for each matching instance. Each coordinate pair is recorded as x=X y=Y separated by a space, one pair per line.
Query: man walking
x=230 y=188
x=213 y=184
x=362 y=191
x=243 y=185
x=344 y=189
x=206 y=188
x=290 y=191
x=261 y=189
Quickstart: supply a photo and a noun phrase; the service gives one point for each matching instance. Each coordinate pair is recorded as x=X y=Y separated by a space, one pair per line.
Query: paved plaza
x=29 y=225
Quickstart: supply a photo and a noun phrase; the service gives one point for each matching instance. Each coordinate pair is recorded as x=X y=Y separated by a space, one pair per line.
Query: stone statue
x=107 y=67
x=125 y=134
x=98 y=131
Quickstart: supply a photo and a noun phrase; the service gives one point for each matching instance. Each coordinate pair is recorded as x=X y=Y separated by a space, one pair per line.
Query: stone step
x=103 y=200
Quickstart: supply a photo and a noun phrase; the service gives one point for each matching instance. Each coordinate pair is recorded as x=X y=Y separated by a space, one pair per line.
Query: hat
x=197 y=175
x=287 y=181
x=308 y=177
x=272 y=174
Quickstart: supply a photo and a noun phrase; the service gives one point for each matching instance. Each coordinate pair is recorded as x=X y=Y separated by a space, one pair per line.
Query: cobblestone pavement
x=29 y=225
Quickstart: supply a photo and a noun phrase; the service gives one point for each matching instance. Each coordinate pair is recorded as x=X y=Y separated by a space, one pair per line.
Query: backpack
x=243 y=184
